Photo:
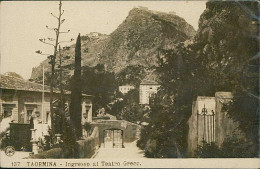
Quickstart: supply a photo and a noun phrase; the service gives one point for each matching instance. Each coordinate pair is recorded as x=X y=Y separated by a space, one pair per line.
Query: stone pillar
x=34 y=147
x=34 y=142
x=90 y=114
x=83 y=111
x=1 y=109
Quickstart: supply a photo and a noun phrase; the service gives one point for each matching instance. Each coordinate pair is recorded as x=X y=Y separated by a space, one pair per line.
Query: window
x=47 y=116
x=87 y=109
x=29 y=115
x=7 y=112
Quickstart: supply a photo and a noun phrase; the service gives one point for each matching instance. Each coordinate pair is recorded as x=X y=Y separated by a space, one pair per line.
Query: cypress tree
x=75 y=106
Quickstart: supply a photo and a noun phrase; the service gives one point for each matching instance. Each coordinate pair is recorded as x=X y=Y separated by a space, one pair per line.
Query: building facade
x=125 y=88
x=21 y=100
x=148 y=87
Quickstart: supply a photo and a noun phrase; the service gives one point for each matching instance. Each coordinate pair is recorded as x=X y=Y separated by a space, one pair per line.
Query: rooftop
x=17 y=83
x=205 y=98
x=151 y=79
x=224 y=95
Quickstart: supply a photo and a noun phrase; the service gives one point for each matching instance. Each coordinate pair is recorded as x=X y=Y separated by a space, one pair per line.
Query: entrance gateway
x=113 y=138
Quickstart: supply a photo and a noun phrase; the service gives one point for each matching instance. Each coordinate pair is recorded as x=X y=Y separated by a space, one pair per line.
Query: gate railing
x=116 y=137
x=208 y=126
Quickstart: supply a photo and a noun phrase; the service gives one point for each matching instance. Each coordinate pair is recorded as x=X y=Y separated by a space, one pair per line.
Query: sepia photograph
x=123 y=83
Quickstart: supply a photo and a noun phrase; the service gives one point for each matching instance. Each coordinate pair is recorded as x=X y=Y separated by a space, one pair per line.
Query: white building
x=148 y=87
x=125 y=88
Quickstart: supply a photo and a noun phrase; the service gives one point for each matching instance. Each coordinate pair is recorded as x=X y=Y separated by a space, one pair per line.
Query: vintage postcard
x=129 y=84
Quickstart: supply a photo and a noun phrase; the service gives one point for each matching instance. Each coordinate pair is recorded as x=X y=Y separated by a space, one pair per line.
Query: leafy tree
x=144 y=137
x=116 y=108
x=219 y=59
x=171 y=107
x=75 y=107
x=99 y=83
x=131 y=97
x=131 y=75
x=129 y=108
x=133 y=112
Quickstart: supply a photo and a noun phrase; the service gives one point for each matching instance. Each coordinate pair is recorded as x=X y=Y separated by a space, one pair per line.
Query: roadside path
x=130 y=151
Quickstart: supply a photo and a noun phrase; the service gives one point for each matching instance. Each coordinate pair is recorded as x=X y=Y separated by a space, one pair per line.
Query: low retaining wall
x=86 y=148
x=53 y=153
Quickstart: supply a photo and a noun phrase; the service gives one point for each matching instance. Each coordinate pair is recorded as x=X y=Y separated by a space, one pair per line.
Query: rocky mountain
x=136 y=41
x=13 y=75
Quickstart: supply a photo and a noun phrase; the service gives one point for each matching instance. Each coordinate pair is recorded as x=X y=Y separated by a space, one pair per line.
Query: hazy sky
x=23 y=23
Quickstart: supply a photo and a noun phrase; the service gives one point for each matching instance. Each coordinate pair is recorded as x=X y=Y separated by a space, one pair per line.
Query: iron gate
x=206 y=130
x=113 y=138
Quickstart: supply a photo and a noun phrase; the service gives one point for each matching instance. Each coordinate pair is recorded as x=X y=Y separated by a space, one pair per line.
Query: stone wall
x=129 y=129
x=146 y=91
x=87 y=147
x=55 y=153
x=223 y=125
x=193 y=132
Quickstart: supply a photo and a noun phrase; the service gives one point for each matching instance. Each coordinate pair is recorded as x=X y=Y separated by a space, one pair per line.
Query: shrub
x=208 y=150
x=87 y=126
x=47 y=142
x=144 y=137
x=150 y=149
x=232 y=147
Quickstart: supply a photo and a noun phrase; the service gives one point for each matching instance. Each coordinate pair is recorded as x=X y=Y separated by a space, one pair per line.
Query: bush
x=48 y=141
x=208 y=150
x=232 y=147
x=150 y=149
x=144 y=137
x=5 y=139
x=3 y=133
x=69 y=138
x=87 y=126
